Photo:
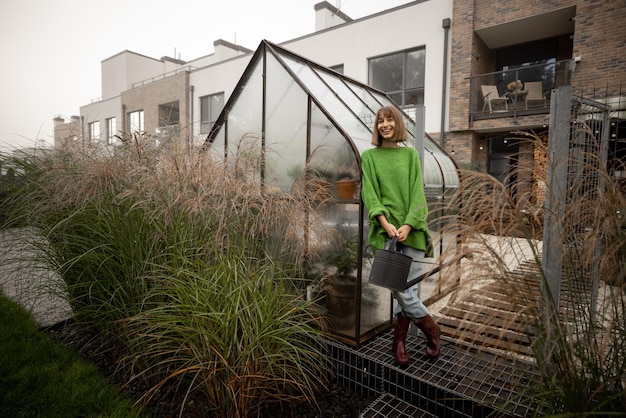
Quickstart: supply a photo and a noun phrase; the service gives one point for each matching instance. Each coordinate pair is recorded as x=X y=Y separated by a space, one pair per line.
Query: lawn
x=39 y=378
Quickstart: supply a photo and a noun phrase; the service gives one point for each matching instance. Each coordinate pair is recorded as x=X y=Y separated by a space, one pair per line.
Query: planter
x=346 y=189
x=341 y=304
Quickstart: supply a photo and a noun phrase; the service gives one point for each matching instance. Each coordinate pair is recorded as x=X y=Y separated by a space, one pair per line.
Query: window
x=136 y=121
x=210 y=108
x=169 y=114
x=338 y=68
x=401 y=75
x=94 y=131
x=111 y=129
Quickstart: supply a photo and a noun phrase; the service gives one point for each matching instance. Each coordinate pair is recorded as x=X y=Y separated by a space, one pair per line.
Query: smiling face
x=389 y=127
x=386 y=126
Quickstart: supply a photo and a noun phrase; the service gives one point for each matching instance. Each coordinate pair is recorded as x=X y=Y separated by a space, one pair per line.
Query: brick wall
x=599 y=39
x=149 y=97
x=600 y=42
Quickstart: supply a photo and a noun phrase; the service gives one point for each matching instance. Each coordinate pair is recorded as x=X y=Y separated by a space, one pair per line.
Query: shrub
x=188 y=264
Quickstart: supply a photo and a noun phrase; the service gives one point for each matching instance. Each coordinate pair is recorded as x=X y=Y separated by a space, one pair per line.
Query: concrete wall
x=416 y=24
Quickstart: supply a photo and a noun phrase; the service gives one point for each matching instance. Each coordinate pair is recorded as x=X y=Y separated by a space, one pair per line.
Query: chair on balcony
x=535 y=96
x=491 y=98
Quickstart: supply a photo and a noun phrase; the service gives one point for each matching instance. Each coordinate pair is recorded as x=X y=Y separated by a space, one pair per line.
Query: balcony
x=517 y=92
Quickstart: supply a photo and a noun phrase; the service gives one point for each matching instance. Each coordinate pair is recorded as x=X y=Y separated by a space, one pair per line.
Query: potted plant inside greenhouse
x=335 y=284
x=346 y=181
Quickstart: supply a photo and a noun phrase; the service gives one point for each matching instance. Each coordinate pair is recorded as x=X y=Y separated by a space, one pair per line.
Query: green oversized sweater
x=392 y=185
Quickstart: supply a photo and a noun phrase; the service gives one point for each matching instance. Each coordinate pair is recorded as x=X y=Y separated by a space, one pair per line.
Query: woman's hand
x=403 y=232
x=389 y=228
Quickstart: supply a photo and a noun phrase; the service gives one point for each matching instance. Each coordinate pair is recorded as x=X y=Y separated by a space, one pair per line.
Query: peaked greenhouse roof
x=304 y=113
x=300 y=117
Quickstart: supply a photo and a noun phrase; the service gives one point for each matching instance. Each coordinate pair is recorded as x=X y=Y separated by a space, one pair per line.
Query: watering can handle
x=394 y=244
x=433 y=271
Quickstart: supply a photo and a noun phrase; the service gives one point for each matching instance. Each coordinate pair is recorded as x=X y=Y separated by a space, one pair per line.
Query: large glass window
x=94 y=131
x=136 y=121
x=111 y=129
x=210 y=108
x=534 y=61
x=401 y=75
x=169 y=114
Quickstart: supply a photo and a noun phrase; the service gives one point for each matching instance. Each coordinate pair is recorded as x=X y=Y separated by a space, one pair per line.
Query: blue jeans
x=409 y=304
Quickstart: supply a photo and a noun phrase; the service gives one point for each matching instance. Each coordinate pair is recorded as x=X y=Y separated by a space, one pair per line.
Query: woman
x=393 y=192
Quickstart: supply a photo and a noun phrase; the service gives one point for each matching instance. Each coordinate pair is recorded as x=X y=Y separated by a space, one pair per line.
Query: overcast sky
x=52 y=49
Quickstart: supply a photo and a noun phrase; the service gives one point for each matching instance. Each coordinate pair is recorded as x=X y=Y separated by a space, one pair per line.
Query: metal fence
x=576 y=181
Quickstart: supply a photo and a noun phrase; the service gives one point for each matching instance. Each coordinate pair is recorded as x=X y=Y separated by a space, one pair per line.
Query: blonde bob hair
x=400 y=134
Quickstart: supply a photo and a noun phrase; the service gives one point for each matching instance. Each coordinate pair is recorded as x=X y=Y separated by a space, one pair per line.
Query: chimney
x=225 y=50
x=327 y=16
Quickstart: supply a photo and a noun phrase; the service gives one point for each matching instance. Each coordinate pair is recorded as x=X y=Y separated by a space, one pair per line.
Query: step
x=387 y=406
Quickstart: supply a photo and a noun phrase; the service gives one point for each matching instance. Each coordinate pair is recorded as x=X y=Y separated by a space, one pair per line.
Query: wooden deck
x=500 y=314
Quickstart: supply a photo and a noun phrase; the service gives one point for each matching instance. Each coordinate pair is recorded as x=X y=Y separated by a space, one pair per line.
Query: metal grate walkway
x=462 y=382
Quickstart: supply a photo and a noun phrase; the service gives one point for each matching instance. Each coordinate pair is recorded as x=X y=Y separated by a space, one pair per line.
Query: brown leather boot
x=399 y=340
x=431 y=330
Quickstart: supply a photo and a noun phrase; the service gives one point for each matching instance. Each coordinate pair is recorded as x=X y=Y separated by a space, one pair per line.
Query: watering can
x=390 y=269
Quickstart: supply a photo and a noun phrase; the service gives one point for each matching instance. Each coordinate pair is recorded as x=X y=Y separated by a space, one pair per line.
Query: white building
x=400 y=51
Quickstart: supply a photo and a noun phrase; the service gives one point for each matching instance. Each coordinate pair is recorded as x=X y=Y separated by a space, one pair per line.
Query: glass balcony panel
x=523 y=90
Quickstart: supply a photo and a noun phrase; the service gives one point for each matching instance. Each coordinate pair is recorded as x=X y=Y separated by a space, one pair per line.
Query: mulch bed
x=337 y=402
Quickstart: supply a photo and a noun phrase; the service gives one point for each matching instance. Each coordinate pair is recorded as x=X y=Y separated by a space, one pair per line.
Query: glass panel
x=210 y=108
x=415 y=65
x=397 y=98
x=216 y=106
x=327 y=98
x=204 y=115
x=332 y=159
x=216 y=149
x=410 y=127
x=431 y=169
x=370 y=98
x=136 y=121
x=338 y=266
x=330 y=154
x=355 y=126
x=345 y=94
x=376 y=301
x=371 y=104
x=414 y=97
x=285 y=138
x=445 y=171
x=244 y=117
x=386 y=72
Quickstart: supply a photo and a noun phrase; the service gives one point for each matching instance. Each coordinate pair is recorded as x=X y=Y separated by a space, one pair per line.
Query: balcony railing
x=168 y=130
x=517 y=92
x=187 y=68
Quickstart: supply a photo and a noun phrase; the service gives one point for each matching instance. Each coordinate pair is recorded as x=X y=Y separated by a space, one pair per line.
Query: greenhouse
x=310 y=125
